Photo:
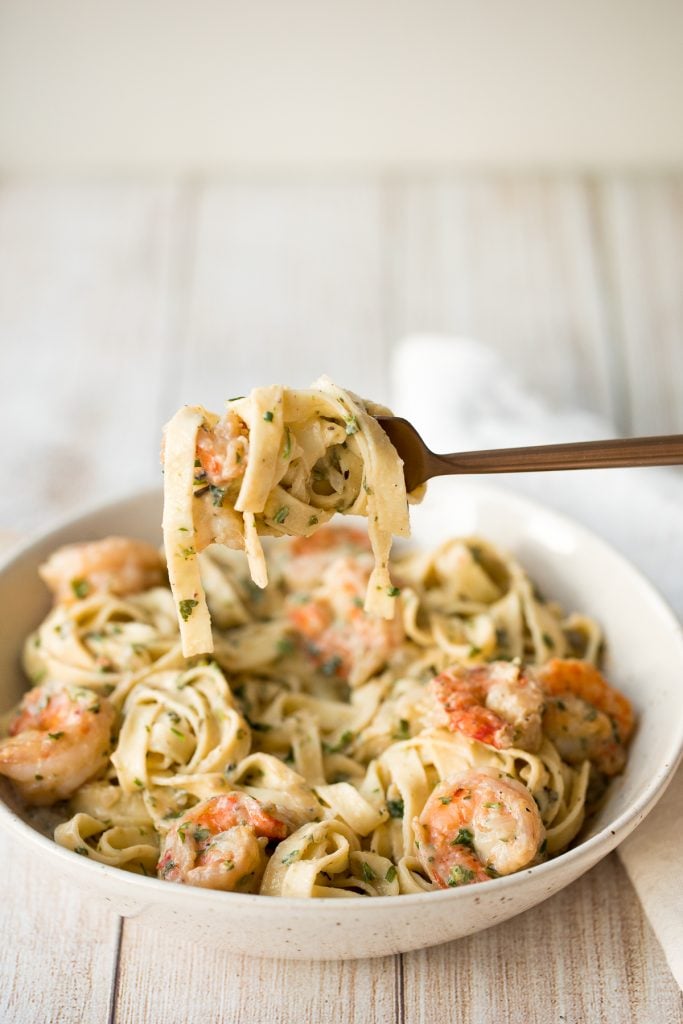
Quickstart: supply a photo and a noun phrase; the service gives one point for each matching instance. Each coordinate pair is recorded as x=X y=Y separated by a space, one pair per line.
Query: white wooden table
x=120 y=301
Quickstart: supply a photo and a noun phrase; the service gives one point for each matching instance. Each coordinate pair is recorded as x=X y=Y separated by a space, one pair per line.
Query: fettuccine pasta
x=279 y=462
x=322 y=751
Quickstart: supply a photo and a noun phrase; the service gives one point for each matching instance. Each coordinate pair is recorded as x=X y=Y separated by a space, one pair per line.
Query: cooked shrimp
x=585 y=717
x=219 y=844
x=309 y=557
x=115 y=565
x=475 y=826
x=339 y=636
x=59 y=739
x=223 y=450
x=496 y=703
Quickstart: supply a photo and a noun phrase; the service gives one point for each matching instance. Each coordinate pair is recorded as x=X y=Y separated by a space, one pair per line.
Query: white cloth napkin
x=462 y=396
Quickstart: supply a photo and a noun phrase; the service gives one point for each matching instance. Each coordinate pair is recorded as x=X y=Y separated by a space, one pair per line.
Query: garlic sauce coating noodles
x=322 y=750
x=278 y=462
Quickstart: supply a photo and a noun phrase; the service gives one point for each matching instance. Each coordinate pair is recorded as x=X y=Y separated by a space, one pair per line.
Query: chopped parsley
x=344 y=741
x=178 y=733
x=82 y=850
x=217 y=495
x=80 y=587
x=55 y=735
x=287 y=450
x=352 y=425
x=548 y=641
x=200 y=834
x=391 y=874
x=474 y=651
x=268 y=416
x=460 y=875
x=367 y=872
x=139 y=783
x=403 y=731
x=396 y=808
x=393 y=591
x=464 y=838
x=281 y=514
x=290 y=857
x=186 y=607
x=331 y=666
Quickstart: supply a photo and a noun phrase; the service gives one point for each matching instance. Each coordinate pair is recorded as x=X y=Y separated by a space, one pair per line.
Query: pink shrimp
x=338 y=635
x=115 y=565
x=59 y=739
x=496 y=703
x=475 y=826
x=585 y=717
x=311 y=556
x=223 y=450
x=219 y=844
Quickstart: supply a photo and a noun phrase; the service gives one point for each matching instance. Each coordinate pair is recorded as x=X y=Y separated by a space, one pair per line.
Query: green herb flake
x=268 y=416
x=391 y=874
x=403 y=731
x=344 y=740
x=287 y=450
x=186 y=607
x=82 y=851
x=178 y=733
x=291 y=857
x=80 y=587
x=217 y=495
x=460 y=875
x=464 y=837
x=281 y=514
x=200 y=834
x=367 y=872
x=138 y=782
x=236 y=398
x=445 y=799
x=285 y=645
x=331 y=666
x=55 y=735
x=38 y=777
x=474 y=651
x=393 y=591
x=352 y=425
x=396 y=808
x=548 y=641
x=313 y=521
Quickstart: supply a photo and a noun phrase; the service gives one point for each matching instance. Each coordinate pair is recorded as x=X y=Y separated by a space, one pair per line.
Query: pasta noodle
x=280 y=461
x=322 y=751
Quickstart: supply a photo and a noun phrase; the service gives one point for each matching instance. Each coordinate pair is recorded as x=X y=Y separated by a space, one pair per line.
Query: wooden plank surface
x=118 y=301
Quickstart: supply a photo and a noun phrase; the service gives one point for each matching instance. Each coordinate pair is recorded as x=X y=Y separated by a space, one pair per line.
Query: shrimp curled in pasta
x=497 y=703
x=115 y=565
x=475 y=826
x=219 y=844
x=585 y=717
x=339 y=635
x=59 y=739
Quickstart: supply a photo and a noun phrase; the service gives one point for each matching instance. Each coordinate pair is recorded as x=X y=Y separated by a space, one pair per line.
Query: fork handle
x=666 y=450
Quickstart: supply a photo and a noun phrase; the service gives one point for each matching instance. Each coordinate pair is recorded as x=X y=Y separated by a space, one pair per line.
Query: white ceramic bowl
x=645 y=659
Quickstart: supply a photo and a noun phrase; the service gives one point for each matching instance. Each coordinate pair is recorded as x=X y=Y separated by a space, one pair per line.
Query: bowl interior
x=644 y=642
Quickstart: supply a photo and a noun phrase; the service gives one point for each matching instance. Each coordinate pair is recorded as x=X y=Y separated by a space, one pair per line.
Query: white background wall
x=197 y=85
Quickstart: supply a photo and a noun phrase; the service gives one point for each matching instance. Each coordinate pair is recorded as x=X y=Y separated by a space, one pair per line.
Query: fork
x=421 y=464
